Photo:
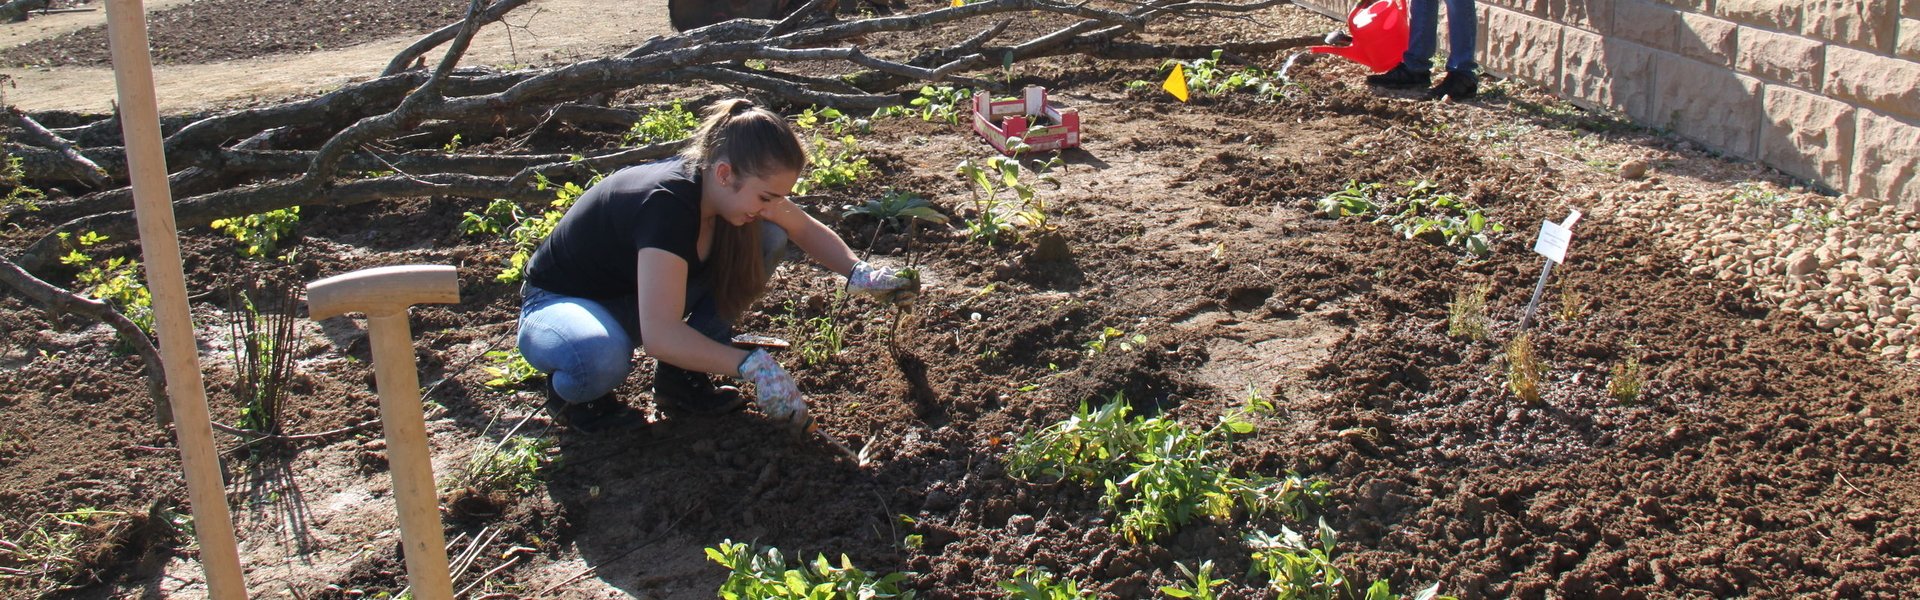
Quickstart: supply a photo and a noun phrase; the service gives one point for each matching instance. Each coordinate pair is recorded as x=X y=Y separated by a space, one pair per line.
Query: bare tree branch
x=407 y=56
x=59 y=300
x=33 y=132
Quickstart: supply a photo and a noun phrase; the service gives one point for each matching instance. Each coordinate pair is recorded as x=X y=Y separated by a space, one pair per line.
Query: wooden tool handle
x=383 y=290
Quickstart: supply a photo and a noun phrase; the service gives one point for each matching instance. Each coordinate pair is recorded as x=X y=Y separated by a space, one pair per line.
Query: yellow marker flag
x=959 y=3
x=1176 y=83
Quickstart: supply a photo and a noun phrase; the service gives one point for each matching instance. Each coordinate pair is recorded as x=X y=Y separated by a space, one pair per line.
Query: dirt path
x=543 y=32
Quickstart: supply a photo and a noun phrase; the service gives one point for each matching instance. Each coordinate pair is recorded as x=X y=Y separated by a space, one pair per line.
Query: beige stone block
x=1859 y=23
x=1886 y=84
x=1908 y=46
x=1522 y=46
x=1780 y=57
x=1886 y=158
x=1706 y=39
x=1783 y=15
x=1591 y=15
x=1709 y=104
x=1645 y=22
x=1606 y=72
x=1536 y=8
x=1693 y=5
x=1807 y=135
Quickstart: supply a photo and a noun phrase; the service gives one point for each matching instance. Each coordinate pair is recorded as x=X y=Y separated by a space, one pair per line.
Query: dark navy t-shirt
x=593 y=252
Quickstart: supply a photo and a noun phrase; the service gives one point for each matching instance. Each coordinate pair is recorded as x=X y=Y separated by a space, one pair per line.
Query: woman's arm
x=663 y=299
x=812 y=236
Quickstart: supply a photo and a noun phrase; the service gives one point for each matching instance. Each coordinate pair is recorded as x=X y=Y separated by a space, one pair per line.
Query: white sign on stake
x=1555 y=237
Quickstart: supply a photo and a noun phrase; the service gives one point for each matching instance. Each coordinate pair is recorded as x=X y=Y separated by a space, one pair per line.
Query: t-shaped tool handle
x=384 y=294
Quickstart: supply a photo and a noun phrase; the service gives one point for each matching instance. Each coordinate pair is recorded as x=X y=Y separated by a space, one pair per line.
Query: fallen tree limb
x=57 y=300
x=406 y=57
x=33 y=132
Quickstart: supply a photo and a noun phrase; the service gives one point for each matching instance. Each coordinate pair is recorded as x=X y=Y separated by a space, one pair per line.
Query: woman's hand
x=884 y=284
x=778 y=396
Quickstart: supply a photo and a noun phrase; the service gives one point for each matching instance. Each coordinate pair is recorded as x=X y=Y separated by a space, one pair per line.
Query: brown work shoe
x=599 y=415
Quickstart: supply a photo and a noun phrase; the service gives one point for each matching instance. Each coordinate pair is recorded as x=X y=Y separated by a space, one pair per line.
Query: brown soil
x=1762 y=459
x=210 y=30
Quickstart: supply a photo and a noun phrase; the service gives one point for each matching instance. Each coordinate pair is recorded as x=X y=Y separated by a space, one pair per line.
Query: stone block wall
x=1824 y=90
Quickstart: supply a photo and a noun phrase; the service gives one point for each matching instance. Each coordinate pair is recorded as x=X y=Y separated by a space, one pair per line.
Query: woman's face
x=743 y=199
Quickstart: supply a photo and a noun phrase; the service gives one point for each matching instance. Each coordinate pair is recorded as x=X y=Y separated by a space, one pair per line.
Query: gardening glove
x=884 y=284
x=778 y=397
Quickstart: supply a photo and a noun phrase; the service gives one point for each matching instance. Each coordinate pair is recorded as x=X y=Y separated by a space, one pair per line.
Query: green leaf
x=1175 y=592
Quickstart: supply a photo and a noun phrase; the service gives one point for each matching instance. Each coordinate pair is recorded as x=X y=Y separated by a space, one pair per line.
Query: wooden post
x=160 y=247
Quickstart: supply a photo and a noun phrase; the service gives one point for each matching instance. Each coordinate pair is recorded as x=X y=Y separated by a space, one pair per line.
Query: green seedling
x=896 y=207
x=669 y=124
x=816 y=339
x=1627 y=380
x=497 y=218
x=942 y=103
x=1751 y=192
x=1525 y=370
x=1034 y=583
x=836 y=163
x=452 y=145
x=1427 y=213
x=1199 y=584
x=1126 y=344
x=1300 y=569
x=509 y=369
x=1357 y=199
x=1467 y=315
x=260 y=234
x=1572 y=306
x=1207 y=77
x=513 y=465
x=1158 y=474
x=115 y=281
x=13 y=177
x=996 y=218
x=763 y=573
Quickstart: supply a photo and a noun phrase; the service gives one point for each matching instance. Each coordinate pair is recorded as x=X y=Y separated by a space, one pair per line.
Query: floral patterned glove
x=883 y=283
x=778 y=396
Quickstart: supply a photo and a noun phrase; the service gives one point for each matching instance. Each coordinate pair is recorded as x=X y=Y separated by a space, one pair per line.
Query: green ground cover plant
x=260 y=234
x=115 y=281
x=763 y=573
x=665 y=124
x=1034 y=583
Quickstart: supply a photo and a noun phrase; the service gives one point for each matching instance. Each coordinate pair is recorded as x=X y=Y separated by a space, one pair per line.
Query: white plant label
x=1555 y=237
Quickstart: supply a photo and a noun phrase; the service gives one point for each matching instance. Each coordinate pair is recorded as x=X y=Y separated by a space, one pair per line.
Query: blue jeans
x=586 y=346
x=1424 y=19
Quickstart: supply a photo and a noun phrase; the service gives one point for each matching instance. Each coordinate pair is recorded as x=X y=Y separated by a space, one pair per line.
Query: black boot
x=1401 y=77
x=1457 y=85
x=603 y=414
x=678 y=390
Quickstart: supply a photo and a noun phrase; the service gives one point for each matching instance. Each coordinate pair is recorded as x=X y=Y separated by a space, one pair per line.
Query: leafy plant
x=1032 y=583
x=509 y=369
x=264 y=345
x=1572 y=305
x=1109 y=334
x=943 y=103
x=893 y=206
x=1156 y=473
x=1298 y=569
x=763 y=573
x=1627 y=380
x=1525 y=370
x=1756 y=193
x=512 y=465
x=1467 y=314
x=1206 y=76
x=115 y=281
x=14 y=178
x=1430 y=214
x=818 y=339
x=995 y=217
x=1200 y=583
x=1355 y=200
x=669 y=124
x=497 y=218
x=259 y=234
x=836 y=163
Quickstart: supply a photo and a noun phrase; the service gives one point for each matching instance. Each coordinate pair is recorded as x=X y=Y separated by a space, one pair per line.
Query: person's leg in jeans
x=1423 y=22
x=578 y=343
x=1462 y=29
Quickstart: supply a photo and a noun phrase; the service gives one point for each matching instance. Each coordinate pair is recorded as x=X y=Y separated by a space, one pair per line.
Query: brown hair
x=756 y=142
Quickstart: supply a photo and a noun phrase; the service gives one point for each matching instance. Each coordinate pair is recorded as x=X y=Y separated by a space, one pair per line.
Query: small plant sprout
x=115 y=281
x=513 y=465
x=1357 y=199
x=1126 y=344
x=1573 y=304
x=1627 y=380
x=1035 y=583
x=260 y=234
x=1298 y=568
x=665 y=124
x=942 y=102
x=894 y=206
x=264 y=345
x=1467 y=315
x=1199 y=584
x=509 y=369
x=763 y=573
x=1525 y=370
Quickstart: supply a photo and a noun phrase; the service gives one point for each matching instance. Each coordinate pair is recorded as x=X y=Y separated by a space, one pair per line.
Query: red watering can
x=1379 y=33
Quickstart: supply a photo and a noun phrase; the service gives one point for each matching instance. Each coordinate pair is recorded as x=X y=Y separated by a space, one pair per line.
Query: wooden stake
x=160 y=248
